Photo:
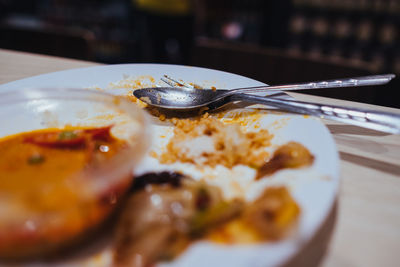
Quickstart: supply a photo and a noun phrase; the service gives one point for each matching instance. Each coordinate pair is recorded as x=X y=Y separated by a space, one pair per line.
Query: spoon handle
x=347 y=82
x=380 y=121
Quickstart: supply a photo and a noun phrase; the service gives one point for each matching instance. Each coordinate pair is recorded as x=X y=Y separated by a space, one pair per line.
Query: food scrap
x=208 y=141
x=291 y=155
x=169 y=211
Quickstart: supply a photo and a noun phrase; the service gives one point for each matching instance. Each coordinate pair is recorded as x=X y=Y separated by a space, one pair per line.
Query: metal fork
x=381 y=121
x=335 y=83
x=175 y=83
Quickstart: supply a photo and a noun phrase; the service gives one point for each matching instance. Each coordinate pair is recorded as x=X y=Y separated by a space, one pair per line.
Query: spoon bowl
x=178 y=98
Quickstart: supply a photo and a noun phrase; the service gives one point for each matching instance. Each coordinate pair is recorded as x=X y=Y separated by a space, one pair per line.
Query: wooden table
x=367 y=225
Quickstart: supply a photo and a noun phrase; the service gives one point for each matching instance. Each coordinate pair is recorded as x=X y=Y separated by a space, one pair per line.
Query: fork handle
x=347 y=82
x=380 y=121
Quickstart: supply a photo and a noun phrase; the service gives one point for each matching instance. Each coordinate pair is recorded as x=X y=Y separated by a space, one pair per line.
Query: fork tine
x=174 y=82
x=169 y=82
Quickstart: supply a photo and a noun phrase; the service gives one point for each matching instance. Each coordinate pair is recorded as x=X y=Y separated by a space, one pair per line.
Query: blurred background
x=272 y=41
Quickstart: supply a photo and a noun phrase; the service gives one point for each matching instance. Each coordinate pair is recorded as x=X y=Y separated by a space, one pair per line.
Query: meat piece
x=159 y=221
x=290 y=155
x=272 y=214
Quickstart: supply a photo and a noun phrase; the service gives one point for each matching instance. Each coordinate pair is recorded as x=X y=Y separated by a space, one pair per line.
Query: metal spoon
x=183 y=99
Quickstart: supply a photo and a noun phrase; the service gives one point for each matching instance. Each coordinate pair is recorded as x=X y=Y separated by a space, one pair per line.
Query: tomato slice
x=102 y=133
x=70 y=138
x=58 y=139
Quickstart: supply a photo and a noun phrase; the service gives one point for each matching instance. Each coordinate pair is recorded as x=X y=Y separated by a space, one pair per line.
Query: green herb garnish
x=66 y=135
x=35 y=159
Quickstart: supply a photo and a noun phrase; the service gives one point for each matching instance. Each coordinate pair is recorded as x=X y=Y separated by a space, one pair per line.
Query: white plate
x=314 y=188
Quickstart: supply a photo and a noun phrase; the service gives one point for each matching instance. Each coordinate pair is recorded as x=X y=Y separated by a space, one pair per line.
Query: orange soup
x=41 y=199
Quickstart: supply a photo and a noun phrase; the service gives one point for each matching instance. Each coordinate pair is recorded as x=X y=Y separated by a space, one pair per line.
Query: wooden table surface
x=366 y=228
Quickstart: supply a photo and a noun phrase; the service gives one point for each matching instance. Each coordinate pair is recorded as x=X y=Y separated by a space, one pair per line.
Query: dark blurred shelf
x=271 y=41
x=278 y=66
